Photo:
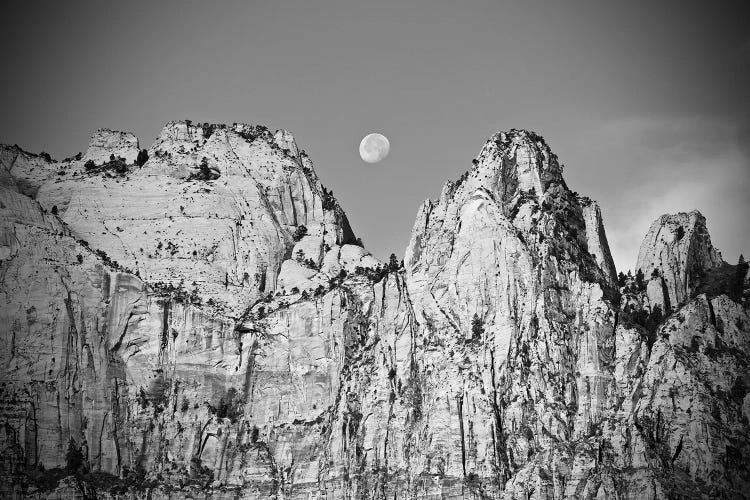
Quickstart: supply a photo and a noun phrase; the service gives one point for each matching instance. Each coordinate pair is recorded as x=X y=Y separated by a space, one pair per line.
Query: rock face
x=676 y=255
x=106 y=143
x=203 y=324
x=168 y=221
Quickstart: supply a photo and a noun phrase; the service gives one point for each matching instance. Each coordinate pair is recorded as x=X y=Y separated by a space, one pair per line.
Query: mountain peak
x=213 y=296
x=107 y=142
x=509 y=164
x=678 y=249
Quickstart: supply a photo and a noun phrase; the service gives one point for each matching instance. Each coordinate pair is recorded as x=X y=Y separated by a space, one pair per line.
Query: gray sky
x=646 y=103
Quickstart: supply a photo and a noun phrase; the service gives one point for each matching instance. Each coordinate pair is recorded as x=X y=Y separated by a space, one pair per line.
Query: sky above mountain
x=646 y=103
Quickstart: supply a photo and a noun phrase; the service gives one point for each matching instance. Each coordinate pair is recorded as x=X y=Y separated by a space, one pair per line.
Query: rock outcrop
x=201 y=322
x=676 y=255
x=107 y=144
x=222 y=239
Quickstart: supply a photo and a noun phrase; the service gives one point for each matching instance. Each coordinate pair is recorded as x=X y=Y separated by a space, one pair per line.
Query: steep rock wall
x=500 y=361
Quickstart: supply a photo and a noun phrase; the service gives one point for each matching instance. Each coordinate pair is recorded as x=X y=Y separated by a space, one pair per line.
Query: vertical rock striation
x=200 y=323
x=677 y=253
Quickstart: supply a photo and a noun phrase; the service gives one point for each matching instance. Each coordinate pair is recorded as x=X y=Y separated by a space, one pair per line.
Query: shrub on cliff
x=621 y=279
x=299 y=233
x=477 y=327
x=115 y=164
x=142 y=157
x=393 y=263
x=230 y=406
x=329 y=202
x=204 y=173
x=73 y=457
x=208 y=130
x=640 y=282
x=737 y=284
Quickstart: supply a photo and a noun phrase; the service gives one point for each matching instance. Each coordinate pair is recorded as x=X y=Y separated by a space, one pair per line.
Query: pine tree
x=640 y=283
x=299 y=233
x=142 y=157
x=205 y=171
x=477 y=327
x=738 y=282
x=621 y=279
x=73 y=457
x=393 y=263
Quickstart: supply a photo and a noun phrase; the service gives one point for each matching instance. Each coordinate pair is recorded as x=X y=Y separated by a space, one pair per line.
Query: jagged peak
x=506 y=141
x=681 y=229
x=677 y=249
x=511 y=164
x=517 y=136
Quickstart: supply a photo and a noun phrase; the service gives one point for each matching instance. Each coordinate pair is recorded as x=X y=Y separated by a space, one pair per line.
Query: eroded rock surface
x=676 y=254
x=203 y=324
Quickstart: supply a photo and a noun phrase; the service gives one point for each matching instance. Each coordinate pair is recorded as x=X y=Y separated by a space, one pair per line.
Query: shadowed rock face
x=171 y=327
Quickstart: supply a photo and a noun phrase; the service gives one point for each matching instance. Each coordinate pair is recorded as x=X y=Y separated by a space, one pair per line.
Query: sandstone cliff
x=197 y=320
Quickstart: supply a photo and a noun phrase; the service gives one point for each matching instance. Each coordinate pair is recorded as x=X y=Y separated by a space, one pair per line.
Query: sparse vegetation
x=205 y=173
x=142 y=157
x=299 y=233
x=230 y=406
x=736 y=288
x=329 y=202
x=393 y=263
x=648 y=320
x=115 y=165
x=76 y=157
x=477 y=328
x=640 y=282
x=73 y=457
x=208 y=130
x=621 y=279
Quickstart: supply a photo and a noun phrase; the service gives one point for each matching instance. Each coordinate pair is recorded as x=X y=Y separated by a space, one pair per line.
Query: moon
x=374 y=148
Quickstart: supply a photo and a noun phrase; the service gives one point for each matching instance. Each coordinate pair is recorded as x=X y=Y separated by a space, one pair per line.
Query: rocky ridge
x=197 y=319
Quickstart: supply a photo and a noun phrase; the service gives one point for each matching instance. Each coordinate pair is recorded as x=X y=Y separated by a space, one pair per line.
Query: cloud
x=643 y=167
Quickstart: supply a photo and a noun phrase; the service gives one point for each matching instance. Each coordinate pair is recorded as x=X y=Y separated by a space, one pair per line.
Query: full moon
x=374 y=148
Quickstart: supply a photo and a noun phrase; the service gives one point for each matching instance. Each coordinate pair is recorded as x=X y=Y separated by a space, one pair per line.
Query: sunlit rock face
x=508 y=244
x=213 y=208
x=22 y=170
x=203 y=324
x=106 y=143
x=676 y=254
